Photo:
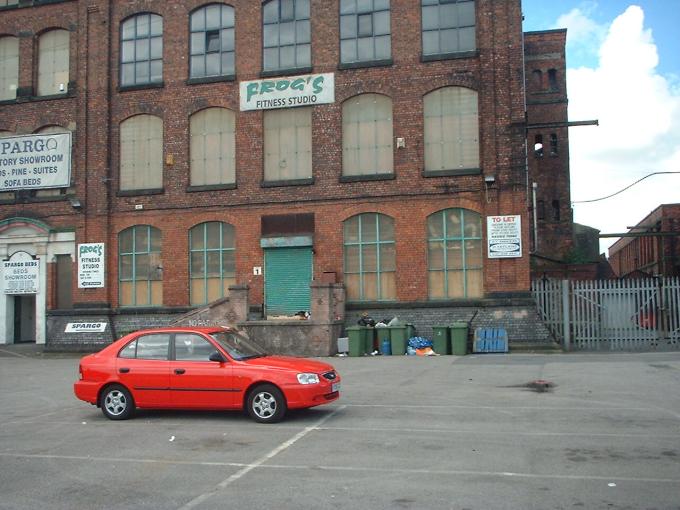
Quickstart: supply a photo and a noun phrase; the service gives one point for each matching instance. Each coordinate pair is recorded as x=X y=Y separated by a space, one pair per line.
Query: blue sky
x=623 y=68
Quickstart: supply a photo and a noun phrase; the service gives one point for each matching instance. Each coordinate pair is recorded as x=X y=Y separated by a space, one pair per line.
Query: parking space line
x=259 y=462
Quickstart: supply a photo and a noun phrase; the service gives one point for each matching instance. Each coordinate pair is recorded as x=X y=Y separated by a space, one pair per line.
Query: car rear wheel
x=266 y=404
x=116 y=403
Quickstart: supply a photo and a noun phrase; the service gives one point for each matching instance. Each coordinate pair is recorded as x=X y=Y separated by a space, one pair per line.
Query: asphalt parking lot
x=408 y=432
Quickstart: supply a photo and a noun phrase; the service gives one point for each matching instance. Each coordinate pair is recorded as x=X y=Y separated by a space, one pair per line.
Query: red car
x=201 y=368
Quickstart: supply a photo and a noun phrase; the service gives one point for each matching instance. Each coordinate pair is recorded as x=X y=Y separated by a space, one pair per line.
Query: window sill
x=8 y=101
x=373 y=177
x=211 y=79
x=450 y=173
x=51 y=97
x=292 y=182
x=285 y=72
x=211 y=187
x=139 y=192
x=449 y=56
x=368 y=63
x=130 y=88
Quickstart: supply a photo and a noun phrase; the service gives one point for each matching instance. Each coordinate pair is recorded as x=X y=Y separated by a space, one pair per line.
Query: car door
x=195 y=381
x=142 y=366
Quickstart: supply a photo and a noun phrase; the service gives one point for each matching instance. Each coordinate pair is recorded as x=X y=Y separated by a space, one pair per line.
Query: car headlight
x=308 y=378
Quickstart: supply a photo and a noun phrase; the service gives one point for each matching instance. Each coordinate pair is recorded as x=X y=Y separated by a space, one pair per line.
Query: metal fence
x=611 y=315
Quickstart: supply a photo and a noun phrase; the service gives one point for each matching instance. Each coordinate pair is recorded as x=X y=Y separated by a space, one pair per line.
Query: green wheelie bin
x=459 y=334
x=440 y=340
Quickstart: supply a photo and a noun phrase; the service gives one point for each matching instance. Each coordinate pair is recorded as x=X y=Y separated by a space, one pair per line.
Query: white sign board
x=21 y=274
x=85 y=327
x=90 y=265
x=35 y=161
x=306 y=90
x=504 y=236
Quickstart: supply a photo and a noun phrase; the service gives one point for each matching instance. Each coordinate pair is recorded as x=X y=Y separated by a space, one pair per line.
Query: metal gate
x=287 y=275
x=611 y=315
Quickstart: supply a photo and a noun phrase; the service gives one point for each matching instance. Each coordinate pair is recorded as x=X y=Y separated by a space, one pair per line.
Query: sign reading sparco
x=35 y=161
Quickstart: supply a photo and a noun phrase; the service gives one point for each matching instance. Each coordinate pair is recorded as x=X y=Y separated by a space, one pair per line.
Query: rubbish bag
x=418 y=342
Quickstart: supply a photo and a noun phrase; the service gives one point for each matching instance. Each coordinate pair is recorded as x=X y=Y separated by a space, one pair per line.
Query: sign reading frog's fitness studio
x=35 y=161
x=306 y=90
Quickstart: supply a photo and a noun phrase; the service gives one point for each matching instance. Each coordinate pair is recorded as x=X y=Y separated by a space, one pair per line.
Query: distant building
x=643 y=255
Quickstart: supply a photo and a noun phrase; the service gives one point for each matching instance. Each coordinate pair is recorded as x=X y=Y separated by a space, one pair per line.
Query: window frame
x=356 y=15
x=134 y=254
x=221 y=250
x=224 y=153
x=136 y=83
x=7 y=79
x=268 y=164
x=41 y=75
x=229 y=74
x=446 y=239
x=158 y=166
x=297 y=67
x=442 y=55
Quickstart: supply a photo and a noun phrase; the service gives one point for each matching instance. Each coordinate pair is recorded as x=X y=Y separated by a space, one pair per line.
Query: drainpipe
x=534 y=187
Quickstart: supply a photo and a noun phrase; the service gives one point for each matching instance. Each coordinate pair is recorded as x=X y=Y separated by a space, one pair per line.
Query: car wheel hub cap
x=115 y=402
x=264 y=405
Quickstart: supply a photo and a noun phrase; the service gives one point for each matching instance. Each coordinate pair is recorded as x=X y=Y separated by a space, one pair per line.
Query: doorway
x=24 y=319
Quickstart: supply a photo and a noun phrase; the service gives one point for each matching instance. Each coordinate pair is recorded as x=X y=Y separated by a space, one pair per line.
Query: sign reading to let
x=90 y=265
x=35 y=161
x=21 y=274
x=504 y=236
x=306 y=90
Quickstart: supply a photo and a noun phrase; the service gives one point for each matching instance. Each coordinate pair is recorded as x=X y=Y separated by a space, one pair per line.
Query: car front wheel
x=116 y=403
x=266 y=404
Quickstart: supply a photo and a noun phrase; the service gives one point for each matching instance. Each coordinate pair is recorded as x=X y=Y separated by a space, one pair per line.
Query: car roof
x=187 y=329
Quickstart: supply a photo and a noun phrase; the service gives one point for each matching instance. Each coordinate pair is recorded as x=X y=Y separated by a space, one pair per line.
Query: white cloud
x=639 y=133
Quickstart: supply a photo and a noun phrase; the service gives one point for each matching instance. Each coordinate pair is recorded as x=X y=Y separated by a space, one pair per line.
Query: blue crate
x=490 y=340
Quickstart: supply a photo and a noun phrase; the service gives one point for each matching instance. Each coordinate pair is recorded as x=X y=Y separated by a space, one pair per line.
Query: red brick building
x=268 y=144
x=643 y=255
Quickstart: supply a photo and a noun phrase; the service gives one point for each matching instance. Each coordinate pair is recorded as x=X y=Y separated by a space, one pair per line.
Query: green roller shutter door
x=287 y=275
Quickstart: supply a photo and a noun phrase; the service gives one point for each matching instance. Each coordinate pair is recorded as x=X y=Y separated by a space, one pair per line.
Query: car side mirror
x=218 y=357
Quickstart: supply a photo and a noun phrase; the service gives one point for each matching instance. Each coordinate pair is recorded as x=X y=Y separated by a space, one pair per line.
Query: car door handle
x=179 y=371
x=124 y=370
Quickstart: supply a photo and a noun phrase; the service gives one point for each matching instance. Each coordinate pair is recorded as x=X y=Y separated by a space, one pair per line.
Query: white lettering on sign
x=90 y=265
x=20 y=274
x=504 y=236
x=85 y=327
x=289 y=92
x=35 y=161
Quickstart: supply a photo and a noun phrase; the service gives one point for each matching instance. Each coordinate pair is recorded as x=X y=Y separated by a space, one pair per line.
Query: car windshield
x=238 y=346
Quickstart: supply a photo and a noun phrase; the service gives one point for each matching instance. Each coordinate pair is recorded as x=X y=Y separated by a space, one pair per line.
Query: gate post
x=565 y=315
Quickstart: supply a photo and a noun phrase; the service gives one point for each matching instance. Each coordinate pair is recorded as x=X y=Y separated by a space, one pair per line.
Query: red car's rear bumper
x=87 y=391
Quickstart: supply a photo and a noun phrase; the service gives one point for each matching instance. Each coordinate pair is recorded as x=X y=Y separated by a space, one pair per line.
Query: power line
x=622 y=190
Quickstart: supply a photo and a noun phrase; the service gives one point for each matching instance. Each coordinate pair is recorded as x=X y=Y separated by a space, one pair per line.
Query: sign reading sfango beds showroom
x=504 y=235
x=306 y=90
x=21 y=274
x=35 y=161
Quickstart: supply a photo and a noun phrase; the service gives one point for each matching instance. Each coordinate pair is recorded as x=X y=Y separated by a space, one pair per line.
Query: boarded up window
x=6 y=195
x=212 y=261
x=454 y=258
x=64 y=284
x=9 y=67
x=288 y=144
x=367 y=135
x=451 y=129
x=53 y=63
x=141 y=153
x=213 y=147
x=140 y=272
x=54 y=192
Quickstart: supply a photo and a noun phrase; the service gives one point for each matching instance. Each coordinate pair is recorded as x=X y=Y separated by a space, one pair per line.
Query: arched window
x=140 y=270
x=212 y=264
x=454 y=260
x=288 y=144
x=370 y=258
x=213 y=147
x=537 y=78
x=286 y=35
x=9 y=67
x=212 y=41
x=141 y=153
x=53 y=62
x=364 y=31
x=556 y=210
x=552 y=79
x=451 y=129
x=141 y=50
x=367 y=135
x=448 y=27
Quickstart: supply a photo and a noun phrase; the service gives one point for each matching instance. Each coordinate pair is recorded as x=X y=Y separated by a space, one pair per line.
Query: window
x=364 y=31
x=538 y=146
x=53 y=192
x=212 y=261
x=556 y=210
x=7 y=3
x=537 y=78
x=553 y=144
x=451 y=129
x=552 y=79
x=53 y=62
x=190 y=347
x=140 y=272
x=141 y=50
x=6 y=195
x=367 y=135
x=454 y=255
x=288 y=144
x=370 y=258
x=448 y=26
x=212 y=41
x=286 y=35
x=9 y=67
x=141 y=153
x=147 y=347
x=540 y=212
x=213 y=147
